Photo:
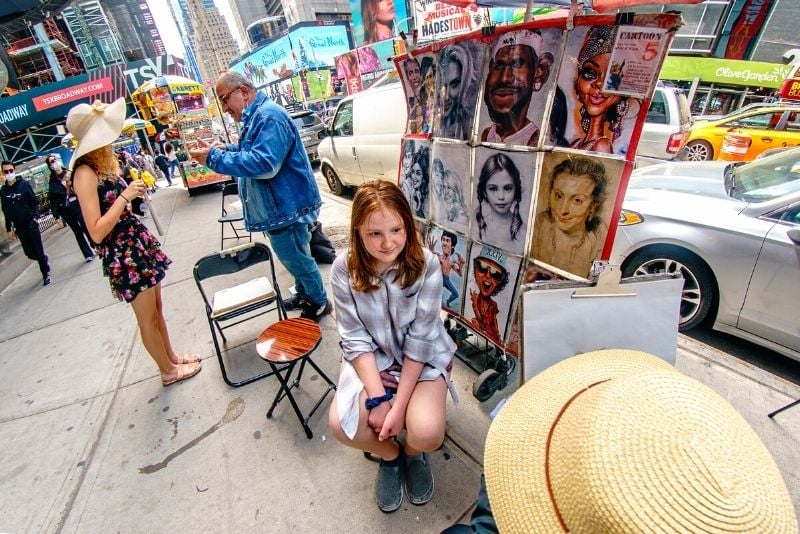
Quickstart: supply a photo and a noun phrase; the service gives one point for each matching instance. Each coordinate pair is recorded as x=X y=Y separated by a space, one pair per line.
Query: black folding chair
x=231 y=215
x=233 y=305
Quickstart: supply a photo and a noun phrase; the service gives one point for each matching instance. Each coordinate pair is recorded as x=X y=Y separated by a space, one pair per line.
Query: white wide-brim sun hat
x=619 y=441
x=95 y=125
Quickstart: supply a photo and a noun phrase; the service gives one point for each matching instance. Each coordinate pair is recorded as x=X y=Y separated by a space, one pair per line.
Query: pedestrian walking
x=132 y=257
x=163 y=165
x=279 y=194
x=21 y=210
x=64 y=205
x=172 y=157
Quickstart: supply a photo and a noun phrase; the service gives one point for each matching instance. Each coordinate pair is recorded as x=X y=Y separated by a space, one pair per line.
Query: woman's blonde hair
x=371 y=197
x=102 y=161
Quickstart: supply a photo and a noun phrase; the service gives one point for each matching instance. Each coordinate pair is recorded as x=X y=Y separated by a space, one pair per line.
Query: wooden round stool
x=282 y=345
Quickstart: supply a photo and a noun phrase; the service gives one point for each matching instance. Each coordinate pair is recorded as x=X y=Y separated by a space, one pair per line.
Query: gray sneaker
x=389 y=485
x=419 y=479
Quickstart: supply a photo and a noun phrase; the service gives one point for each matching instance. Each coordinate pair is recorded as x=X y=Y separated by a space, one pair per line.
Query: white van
x=363 y=140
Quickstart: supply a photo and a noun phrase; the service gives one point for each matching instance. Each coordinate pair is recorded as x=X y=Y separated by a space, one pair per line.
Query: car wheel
x=699 y=290
x=699 y=151
x=334 y=184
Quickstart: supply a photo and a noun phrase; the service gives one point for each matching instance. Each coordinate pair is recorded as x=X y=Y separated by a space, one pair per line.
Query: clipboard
x=563 y=318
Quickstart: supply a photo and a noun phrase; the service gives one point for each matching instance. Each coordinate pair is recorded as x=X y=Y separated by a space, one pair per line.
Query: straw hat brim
x=609 y=404
x=95 y=126
x=514 y=457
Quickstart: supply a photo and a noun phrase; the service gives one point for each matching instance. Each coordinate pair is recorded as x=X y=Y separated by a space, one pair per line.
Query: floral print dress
x=132 y=256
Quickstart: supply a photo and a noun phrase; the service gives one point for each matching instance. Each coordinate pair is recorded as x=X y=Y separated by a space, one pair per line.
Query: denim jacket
x=276 y=183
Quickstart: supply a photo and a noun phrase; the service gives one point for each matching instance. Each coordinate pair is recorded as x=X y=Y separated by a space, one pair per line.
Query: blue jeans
x=291 y=245
x=174 y=164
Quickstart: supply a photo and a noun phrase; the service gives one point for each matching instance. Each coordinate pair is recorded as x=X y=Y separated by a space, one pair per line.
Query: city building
x=126 y=15
x=730 y=53
x=262 y=30
x=212 y=45
x=293 y=11
x=93 y=34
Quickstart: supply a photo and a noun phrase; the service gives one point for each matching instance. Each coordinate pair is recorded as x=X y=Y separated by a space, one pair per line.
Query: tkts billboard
x=306 y=46
x=51 y=102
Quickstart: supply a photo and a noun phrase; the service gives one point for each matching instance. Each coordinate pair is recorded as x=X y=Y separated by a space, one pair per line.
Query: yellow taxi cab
x=767 y=126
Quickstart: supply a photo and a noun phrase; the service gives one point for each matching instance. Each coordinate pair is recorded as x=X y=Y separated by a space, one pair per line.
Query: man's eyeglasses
x=224 y=99
x=8 y=171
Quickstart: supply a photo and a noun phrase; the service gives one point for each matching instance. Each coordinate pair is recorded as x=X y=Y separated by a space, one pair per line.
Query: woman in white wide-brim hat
x=132 y=256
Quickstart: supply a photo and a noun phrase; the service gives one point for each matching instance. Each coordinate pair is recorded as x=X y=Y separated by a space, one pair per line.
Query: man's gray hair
x=235 y=79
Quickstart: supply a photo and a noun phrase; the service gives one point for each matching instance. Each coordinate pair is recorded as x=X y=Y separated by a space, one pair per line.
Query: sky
x=169 y=30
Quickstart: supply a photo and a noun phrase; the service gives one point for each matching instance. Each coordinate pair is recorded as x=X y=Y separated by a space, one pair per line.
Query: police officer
x=21 y=210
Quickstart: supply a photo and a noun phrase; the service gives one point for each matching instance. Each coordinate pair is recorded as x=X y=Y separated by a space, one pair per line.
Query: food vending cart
x=180 y=104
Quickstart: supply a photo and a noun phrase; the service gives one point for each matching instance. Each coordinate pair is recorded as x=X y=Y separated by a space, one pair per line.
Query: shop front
x=719 y=86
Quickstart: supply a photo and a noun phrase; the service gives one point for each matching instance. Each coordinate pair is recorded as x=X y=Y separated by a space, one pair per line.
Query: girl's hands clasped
x=393 y=423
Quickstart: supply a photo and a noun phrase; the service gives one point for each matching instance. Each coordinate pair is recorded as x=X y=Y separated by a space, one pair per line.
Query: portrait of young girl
x=598 y=122
x=396 y=352
x=450 y=182
x=575 y=202
x=501 y=201
x=490 y=290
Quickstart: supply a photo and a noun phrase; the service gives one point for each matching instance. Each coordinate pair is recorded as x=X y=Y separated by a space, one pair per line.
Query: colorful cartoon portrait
x=516 y=85
x=451 y=249
x=596 y=121
x=418 y=74
x=415 y=175
x=573 y=210
x=501 y=199
x=457 y=87
x=450 y=171
x=490 y=286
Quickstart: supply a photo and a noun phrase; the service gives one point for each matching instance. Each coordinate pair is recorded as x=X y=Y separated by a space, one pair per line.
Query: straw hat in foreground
x=95 y=125
x=619 y=441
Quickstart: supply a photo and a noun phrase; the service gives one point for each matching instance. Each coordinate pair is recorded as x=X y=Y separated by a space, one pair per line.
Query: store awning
x=725 y=71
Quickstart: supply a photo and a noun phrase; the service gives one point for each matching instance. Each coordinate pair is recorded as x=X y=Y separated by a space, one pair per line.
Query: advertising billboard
x=378 y=20
x=306 y=46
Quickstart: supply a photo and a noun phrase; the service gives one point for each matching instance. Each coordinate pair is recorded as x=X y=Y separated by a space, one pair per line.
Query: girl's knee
x=335 y=426
x=426 y=438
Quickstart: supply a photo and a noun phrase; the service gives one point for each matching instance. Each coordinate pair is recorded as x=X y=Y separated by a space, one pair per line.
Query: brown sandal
x=185 y=370
x=191 y=357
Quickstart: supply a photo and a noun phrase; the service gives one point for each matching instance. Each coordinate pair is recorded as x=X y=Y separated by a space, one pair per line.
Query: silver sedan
x=733 y=232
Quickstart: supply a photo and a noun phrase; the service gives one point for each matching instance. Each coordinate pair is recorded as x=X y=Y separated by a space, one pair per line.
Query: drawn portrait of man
x=520 y=66
x=451 y=249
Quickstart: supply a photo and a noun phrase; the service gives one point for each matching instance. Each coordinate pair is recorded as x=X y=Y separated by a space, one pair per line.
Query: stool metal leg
x=285 y=391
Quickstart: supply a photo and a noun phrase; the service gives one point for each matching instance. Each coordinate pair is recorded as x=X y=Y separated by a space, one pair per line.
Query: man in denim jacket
x=276 y=184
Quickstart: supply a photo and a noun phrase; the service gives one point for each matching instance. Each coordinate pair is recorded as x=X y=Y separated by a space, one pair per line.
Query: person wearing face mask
x=64 y=205
x=21 y=210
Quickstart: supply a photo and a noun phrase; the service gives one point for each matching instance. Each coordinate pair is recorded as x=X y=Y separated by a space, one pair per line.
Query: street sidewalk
x=94 y=443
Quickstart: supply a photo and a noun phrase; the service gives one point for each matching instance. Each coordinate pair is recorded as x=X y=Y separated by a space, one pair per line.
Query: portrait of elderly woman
x=576 y=198
x=457 y=89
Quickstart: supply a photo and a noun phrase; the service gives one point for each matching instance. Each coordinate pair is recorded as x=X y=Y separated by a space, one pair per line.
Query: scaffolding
x=30 y=56
x=93 y=35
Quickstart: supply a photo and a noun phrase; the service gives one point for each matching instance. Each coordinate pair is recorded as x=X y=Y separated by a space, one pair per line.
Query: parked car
x=309 y=124
x=363 y=141
x=666 y=128
x=768 y=127
x=733 y=231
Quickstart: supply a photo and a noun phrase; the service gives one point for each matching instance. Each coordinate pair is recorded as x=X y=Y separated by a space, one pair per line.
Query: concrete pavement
x=93 y=443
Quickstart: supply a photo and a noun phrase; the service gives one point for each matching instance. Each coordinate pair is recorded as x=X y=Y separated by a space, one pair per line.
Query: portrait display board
x=527 y=152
